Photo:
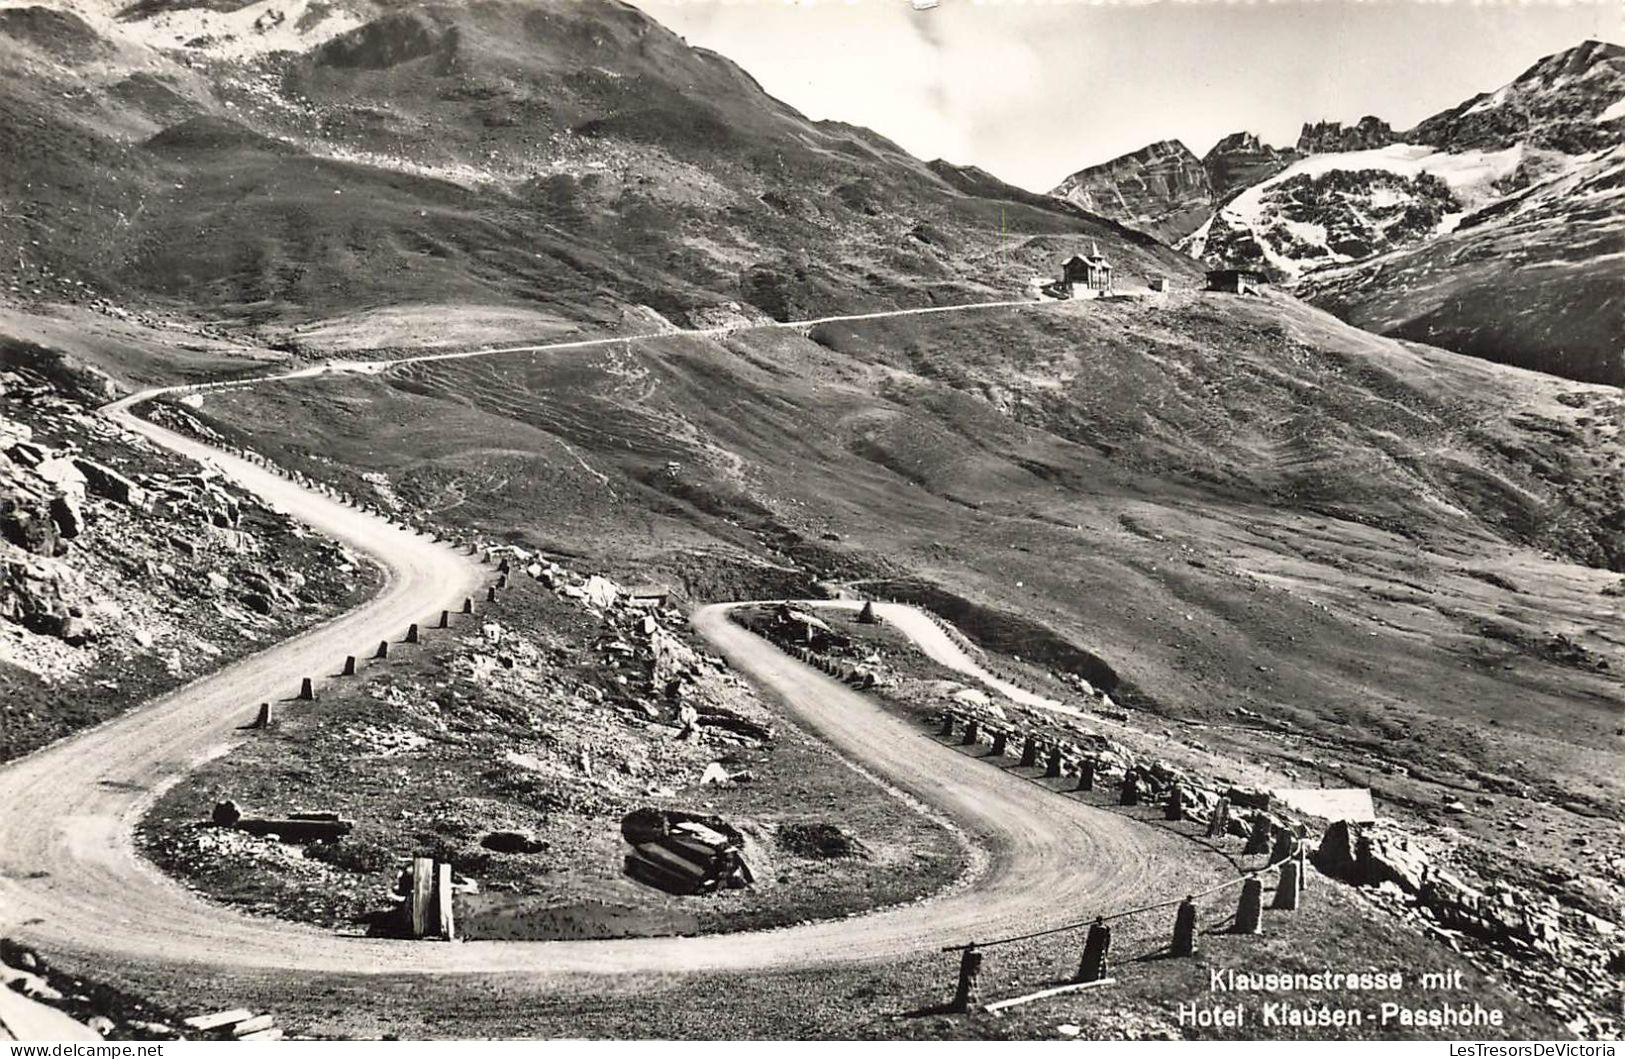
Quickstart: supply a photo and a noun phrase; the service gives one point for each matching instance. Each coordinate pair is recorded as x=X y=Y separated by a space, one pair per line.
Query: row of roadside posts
x=307 y=687
x=1286 y=851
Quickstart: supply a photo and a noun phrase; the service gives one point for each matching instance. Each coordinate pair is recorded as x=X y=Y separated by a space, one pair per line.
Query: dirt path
x=71 y=880
x=941 y=648
x=373 y=367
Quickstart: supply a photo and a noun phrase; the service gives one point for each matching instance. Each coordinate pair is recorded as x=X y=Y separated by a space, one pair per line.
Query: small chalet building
x=1087 y=277
x=1235 y=280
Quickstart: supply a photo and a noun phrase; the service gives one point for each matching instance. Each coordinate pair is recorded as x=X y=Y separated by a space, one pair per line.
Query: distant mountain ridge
x=1350 y=209
x=1241 y=160
x=1162 y=189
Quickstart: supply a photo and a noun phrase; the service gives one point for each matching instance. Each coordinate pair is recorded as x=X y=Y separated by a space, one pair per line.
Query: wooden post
x=445 y=619
x=970 y=969
x=502 y=580
x=1096 y=947
x=422 y=895
x=1282 y=849
x=491 y=594
x=972 y=733
x=383 y=649
x=468 y=604
x=1029 y=751
x=1288 y=888
x=307 y=690
x=947 y=725
x=443 y=893
x=1001 y=739
x=1303 y=864
x=349 y=666
x=264 y=718
x=1219 y=822
x=1250 y=912
x=1129 y=792
x=1174 y=807
x=1086 y=774
x=412 y=633
x=1185 y=929
x=1258 y=840
x=1052 y=767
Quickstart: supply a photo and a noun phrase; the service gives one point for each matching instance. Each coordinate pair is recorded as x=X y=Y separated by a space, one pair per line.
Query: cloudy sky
x=1034 y=90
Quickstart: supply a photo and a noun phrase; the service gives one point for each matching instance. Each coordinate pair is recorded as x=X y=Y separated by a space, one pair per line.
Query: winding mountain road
x=71 y=880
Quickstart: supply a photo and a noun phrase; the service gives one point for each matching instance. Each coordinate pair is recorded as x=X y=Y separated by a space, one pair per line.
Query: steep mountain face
x=1241 y=160
x=1162 y=189
x=1457 y=231
x=574 y=156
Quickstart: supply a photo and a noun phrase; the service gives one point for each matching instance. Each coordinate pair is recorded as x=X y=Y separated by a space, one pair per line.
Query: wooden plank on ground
x=272 y=1034
x=422 y=894
x=443 y=893
x=218 y=1019
x=253 y=1025
x=1074 y=987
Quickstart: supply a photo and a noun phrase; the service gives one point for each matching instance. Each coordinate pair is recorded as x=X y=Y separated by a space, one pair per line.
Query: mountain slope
x=1567 y=102
x=1536 y=279
x=1230 y=502
x=1354 y=559
x=572 y=156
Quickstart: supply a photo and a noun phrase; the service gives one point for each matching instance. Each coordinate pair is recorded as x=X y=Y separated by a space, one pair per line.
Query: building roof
x=1097 y=260
x=1254 y=273
x=1330 y=803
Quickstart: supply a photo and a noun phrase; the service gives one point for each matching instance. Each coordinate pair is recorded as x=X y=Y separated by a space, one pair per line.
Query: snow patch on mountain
x=246 y=32
x=1471 y=174
x=1331 y=209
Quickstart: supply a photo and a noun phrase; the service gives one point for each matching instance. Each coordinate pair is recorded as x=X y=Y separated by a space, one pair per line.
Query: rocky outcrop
x=1343 y=215
x=1369 y=857
x=1161 y=189
x=103 y=481
x=1241 y=160
x=124 y=571
x=1329 y=137
x=1523 y=932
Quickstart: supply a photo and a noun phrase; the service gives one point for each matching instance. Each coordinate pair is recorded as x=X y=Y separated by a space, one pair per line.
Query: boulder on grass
x=1337 y=855
x=512 y=842
x=69 y=518
x=106 y=482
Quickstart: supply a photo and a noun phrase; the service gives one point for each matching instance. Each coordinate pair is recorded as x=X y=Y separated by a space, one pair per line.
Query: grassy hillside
x=1235 y=504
